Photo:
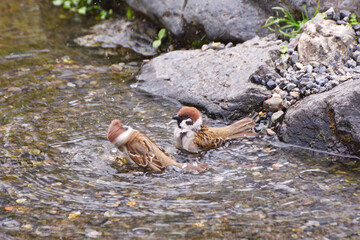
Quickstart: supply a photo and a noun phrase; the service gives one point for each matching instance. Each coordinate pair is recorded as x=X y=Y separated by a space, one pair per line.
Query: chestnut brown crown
x=191 y=112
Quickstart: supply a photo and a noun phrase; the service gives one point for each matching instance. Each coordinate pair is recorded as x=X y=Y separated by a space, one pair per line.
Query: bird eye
x=189 y=122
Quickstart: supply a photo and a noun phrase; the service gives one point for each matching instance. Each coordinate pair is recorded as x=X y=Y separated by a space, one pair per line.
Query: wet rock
x=285 y=188
x=326 y=121
x=226 y=20
x=217 y=81
x=273 y=104
x=205 y=47
x=270 y=132
x=276 y=117
x=112 y=34
x=325 y=41
x=14 y=89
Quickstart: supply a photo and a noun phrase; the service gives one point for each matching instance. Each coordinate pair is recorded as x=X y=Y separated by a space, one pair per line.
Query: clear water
x=59 y=177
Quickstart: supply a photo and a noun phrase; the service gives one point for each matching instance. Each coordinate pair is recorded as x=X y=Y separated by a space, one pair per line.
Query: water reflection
x=59 y=178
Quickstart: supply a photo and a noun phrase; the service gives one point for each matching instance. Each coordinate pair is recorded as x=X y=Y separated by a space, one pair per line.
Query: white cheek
x=197 y=124
x=183 y=125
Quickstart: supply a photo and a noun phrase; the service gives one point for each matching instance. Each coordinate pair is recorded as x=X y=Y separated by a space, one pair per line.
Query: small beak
x=177 y=118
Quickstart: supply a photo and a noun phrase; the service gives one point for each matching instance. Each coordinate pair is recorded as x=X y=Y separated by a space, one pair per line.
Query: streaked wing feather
x=205 y=139
x=142 y=153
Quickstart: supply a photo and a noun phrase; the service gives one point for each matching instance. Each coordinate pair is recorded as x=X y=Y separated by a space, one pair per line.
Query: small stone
x=229 y=45
x=351 y=63
x=356 y=54
x=333 y=83
x=294 y=57
x=344 y=13
x=321 y=80
x=70 y=84
x=310 y=224
x=290 y=86
x=270 y=132
x=276 y=117
x=284 y=187
x=277 y=166
x=256 y=79
x=311 y=86
x=116 y=67
x=295 y=94
x=21 y=200
x=205 y=47
x=14 y=89
x=358 y=60
x=299 y=65
x=308 y=68
x=330 y=13
x=91 y=233
x=273 y=104
x=216 y=45
x=356 y=27
x=271 y=84
x=341 y=22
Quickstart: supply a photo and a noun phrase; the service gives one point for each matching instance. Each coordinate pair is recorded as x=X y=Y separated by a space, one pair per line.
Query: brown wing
x=206 y=139
x=140 y=150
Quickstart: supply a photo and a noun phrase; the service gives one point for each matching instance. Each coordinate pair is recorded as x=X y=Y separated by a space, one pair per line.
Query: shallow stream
x=61 y=178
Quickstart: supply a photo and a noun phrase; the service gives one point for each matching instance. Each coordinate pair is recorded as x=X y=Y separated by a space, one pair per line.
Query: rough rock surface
x=326 y=121
x=120 y=33
x=214 y=80
x=227 y=20
x=325 y=41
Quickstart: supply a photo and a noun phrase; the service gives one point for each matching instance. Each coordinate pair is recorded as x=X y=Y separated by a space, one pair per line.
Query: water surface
x=60 y=177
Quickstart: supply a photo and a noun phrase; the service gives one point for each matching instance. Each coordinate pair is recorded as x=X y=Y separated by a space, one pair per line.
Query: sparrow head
x=118 y=133
x=189 y=117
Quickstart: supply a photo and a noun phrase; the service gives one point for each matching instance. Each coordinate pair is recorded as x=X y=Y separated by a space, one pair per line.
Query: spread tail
x=242 y=128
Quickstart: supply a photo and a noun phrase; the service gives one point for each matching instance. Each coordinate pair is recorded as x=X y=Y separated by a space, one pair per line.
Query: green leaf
x=156 y=43
x=162 y=33
x=58 y=2
x=67 y=5
x=82 y=10
x=103 y=14
x=110 y=12
x=129 y=12
x=283 y=48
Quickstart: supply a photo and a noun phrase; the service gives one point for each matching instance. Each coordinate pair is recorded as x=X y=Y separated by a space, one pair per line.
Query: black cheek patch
x=189 y=122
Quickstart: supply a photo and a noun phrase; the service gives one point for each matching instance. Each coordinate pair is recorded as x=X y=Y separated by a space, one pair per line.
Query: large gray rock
x=325 y=41
x=326 y=121
x=227 y=20
x=217 y=81
x=120 y=33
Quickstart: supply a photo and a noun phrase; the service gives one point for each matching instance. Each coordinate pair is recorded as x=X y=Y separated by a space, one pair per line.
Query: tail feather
x=242 y=128
x=201 y=167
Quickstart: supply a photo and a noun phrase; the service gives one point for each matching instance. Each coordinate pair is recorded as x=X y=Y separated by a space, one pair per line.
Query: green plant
x=83 y=7
x=353 y=20
x=283 y=50
x=288 y=21
x=162 y=34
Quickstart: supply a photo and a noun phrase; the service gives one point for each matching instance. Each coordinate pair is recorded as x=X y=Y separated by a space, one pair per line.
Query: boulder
x=325 y=41
x=327 y=121
x=120 y=33
x=227 y=20
x=214 y=80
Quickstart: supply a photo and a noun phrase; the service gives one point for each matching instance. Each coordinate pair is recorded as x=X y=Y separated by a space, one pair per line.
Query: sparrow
x=193 y=136
x=142 y=150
